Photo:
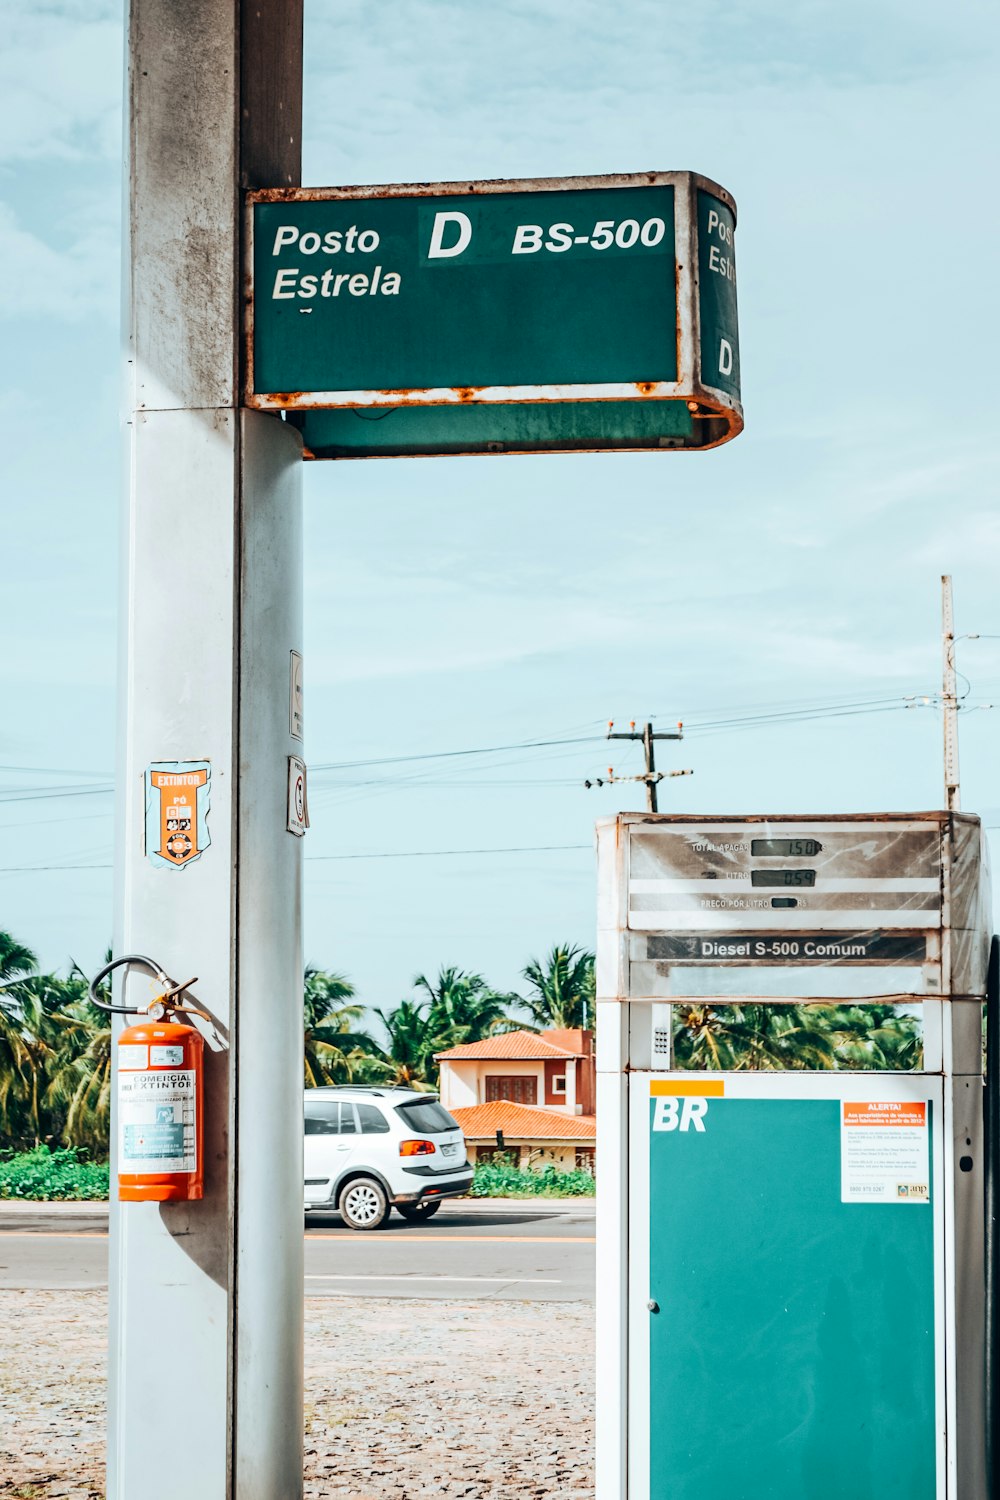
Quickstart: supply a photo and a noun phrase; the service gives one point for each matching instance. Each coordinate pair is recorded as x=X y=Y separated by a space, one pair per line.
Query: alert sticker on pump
x=884 y=1154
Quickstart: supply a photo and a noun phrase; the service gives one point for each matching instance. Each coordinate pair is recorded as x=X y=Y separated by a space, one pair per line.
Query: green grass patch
x=495 y=1180
x=43 y=1175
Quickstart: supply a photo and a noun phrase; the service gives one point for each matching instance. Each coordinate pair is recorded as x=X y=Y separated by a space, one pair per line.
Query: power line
x=435 y=853
x=442 y=784
x=31 y=869
x=774 y=717
x=48 y=771
x=325 y=858
x=796 y=716
x=396 y=760
x=52 y=822
x=31 y=794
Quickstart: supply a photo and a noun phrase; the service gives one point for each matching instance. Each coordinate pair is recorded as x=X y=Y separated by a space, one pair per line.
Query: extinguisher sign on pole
x=177 y=804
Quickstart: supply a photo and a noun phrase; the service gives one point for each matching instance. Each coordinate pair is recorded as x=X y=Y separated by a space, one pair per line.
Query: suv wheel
x=363 y=1204
x=418 y=1212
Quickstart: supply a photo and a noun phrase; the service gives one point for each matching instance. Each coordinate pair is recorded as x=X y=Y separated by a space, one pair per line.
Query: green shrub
x=497 y=1180
x=43 y=1175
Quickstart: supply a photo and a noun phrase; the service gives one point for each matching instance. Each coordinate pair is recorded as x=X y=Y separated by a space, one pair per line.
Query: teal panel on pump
x=793 y=1354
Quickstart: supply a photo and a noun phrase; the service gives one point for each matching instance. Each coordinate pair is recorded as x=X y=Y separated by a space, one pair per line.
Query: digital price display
x=851 y=874
x=789 y=848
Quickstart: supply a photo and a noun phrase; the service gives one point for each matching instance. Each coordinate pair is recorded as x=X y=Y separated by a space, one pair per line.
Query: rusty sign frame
x=705 y=402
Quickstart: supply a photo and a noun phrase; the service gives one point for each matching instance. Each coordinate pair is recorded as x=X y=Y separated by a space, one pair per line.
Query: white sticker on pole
x=884 y=1155
x=298 y=802
x=156 y=1121
x=295 y=695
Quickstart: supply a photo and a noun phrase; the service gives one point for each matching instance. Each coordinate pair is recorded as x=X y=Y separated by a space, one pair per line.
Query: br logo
x=680 y=1114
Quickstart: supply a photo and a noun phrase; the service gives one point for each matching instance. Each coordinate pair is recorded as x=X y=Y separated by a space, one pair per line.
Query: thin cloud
x=450 y=626
x=60 y=81
x=67 y=282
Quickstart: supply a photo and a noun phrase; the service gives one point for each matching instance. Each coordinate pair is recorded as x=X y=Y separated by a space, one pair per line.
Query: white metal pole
x=612 y=1057
x=949 y=699
x=205 y=1362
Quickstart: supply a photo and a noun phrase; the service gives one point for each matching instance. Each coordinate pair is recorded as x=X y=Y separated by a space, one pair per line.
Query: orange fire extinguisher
x=160 y=1096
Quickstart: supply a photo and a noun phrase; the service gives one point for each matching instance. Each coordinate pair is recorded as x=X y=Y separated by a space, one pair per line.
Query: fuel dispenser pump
x=160 y=1093
x=991 y=1120
x=797 y=1262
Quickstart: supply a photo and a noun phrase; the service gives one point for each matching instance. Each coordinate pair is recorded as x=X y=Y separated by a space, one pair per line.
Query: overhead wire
x=395 y=760
x=360 y=854
x=36 y=794
x=61 y=771
x=554 y=747
x=795 y=716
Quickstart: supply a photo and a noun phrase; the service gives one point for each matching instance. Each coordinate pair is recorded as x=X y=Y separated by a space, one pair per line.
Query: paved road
x=469 y=1250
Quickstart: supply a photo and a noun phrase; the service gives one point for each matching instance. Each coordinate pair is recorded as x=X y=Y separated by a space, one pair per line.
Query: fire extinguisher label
x=156 y=1121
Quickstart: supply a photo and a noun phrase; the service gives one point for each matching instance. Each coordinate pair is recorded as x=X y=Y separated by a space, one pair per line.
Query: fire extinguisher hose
x=165 y=999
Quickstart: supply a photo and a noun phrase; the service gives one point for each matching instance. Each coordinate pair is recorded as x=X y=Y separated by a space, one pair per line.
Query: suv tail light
x=416 y=1148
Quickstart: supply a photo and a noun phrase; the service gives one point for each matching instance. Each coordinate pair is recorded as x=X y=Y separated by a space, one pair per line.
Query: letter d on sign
x=437 y=248
x=725 y=357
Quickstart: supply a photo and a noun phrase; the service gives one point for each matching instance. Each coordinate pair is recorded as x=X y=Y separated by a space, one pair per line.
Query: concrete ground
x=405 y=1400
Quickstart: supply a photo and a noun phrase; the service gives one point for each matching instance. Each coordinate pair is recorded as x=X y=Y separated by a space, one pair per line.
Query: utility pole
x=206 y=1315
x=949 y=699
x=647 y=736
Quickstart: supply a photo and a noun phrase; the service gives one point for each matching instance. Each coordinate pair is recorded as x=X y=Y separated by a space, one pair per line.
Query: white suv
x=369 y=1150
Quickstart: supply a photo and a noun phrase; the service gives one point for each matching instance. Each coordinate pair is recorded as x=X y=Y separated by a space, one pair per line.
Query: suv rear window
x=426 y=1115
x=373 y=1121
x=341 y=1117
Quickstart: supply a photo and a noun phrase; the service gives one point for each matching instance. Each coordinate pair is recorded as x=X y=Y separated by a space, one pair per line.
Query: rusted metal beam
x=271 y=93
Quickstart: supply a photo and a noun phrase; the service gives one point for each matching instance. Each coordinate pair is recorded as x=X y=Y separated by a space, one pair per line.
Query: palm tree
x=38 y=997
x=874 y=1036
x=336 y=1047
x=16 y=1065
x=15 y=959
x=79 y=1092
x=412 y=1043
x=738 y=1038
x=900 y=1044
x=55 y=1056
x=563 y=988
x=463 y=1007
x=706 y=1038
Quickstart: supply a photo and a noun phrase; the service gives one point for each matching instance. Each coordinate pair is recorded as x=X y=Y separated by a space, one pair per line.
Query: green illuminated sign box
x=533 y=316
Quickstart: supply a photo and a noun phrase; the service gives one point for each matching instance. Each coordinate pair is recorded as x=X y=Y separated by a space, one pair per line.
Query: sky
x=780 y=595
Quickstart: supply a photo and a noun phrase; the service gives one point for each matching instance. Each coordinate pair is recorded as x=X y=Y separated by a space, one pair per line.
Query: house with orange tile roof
x=528 y=1094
